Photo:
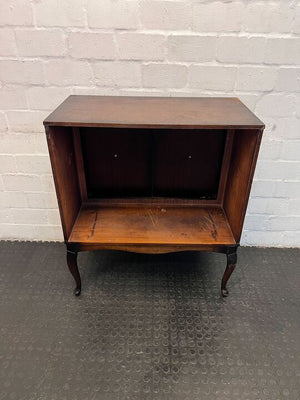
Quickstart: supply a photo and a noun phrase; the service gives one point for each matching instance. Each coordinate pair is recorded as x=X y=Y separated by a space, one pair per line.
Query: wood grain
x=79 y=164
x=150 y=248
x=62 y=157
x=153 y=112
x=242 y=166
x=152 y=226
x=152 y=175
x=225 y=165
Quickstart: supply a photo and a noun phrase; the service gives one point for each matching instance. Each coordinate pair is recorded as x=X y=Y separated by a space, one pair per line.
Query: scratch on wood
x=151 y=217
x=214 y=232
x=94 y=224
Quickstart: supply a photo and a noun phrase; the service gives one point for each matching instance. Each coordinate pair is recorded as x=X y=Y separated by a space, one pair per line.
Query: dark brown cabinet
x=152 y=175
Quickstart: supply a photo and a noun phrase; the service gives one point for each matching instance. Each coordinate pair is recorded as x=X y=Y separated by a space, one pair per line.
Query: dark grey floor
x=148 y=327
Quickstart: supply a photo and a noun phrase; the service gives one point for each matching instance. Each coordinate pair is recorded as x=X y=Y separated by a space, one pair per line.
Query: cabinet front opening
x=129 y=163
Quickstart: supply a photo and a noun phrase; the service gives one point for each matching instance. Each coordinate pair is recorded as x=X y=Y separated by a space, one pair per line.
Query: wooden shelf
x=153 y=112
x=152 y=175
x=140 y=225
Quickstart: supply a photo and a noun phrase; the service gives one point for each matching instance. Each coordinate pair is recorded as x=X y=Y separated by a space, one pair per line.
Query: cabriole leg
x=72 y=264
x=231 y=263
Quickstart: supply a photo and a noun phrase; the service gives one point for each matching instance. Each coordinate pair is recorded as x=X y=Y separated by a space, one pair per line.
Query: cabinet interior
x=136 y=186
x=128 y=163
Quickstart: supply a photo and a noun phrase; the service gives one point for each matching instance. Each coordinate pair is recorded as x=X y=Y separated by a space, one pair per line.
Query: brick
x=2 y=194
x=33 y=164
x=117 y=74
x=286 y=128
x=141 y=46
x=263 y=188
x=278 y=223
x=120 y=14
x=269 y=126
x=3 y=123
x=288 y=80
x=270 y=150
x=8 y=45
x=165 y=15
x=68 y=72
x=46 y=98
x=276 y=105
x=260 y=17
x=241 y=49
x=212 y=77
x=28 y=216
x=16 y=12
x=261 y=238
x=40 y=42
x=191 y=48
x=26 y=121
x=256 y=222
x=17 y=143
x=92 y=45
x=143 y=92
x=94 y=91
x=164 y=75
x=53 y=217
x=12 y=97
x=45 y=200
x=283 y=170
x=296 y=24
x=40 y=144
x=298 y=106
x=282 y=51
x=5 y=216
x=48 y=232
x=256 y=78
x=47 y=183
x=218 y=16
x=294 y=206
x=22 y=72
x=287 y=189
x=7 y=164
x=250 y=100
x=291 y=151
x=291 y=239
x=14 y=199
x=60 y=13
x=16 y=231
x=272 y=206
x=21 y=182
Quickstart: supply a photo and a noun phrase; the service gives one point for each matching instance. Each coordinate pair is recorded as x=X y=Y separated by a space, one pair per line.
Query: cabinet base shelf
x=152 y=229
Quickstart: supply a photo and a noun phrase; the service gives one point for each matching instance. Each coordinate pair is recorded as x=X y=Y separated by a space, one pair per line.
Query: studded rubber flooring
x=148 y=326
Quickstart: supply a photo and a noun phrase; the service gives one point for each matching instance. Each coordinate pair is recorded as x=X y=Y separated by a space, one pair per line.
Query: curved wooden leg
x=72 y=264
x=231 y=263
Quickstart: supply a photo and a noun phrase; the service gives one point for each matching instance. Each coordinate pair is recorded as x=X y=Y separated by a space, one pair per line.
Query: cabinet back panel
x=145 y=163
x=117 y=162
x=188 y=164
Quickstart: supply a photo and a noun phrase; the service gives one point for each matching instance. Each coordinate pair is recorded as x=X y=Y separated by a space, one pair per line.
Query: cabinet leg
x=231 y=263
x=72 y=264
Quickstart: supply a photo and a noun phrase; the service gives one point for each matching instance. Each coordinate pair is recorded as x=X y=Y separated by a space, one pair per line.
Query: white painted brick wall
x=116 y=74
x=242 y=48
x=164 y=76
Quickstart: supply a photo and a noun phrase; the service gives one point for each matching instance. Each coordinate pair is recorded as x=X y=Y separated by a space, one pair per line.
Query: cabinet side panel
x=62 y=156
x=242 y=166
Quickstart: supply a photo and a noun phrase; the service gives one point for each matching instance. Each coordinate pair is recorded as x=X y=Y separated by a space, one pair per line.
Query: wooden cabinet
x=152 y=175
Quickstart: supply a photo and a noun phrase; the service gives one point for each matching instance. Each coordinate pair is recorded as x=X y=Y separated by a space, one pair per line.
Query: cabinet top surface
x=153 y=112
